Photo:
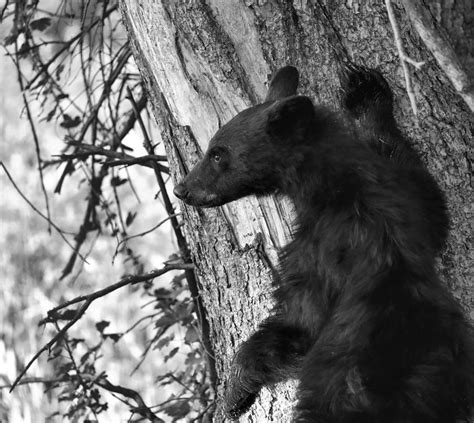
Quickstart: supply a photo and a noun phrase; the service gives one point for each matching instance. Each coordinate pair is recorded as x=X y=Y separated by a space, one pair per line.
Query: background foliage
x=84 y=183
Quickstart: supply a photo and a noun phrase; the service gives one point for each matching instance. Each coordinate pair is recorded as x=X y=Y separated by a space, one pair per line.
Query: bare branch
x=142 y=160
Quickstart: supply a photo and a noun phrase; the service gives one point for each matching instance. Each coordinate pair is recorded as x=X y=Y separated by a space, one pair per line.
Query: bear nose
x=180 y=191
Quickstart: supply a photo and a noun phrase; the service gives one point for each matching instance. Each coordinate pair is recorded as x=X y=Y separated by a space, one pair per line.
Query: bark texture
x=204 y=61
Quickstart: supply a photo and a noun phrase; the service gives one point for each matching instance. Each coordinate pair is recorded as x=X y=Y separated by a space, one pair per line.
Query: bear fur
x=361 y=319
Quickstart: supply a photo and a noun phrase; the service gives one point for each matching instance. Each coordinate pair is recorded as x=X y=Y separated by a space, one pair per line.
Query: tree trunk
x=203 y=62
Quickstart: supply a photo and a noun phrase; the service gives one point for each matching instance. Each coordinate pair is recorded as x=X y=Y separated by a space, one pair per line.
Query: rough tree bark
x=204 y=61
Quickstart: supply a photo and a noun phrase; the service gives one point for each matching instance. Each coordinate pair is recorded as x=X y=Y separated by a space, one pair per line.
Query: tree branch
x=88 y=300
x=185 y=254
x=141 y=234
x=33 y=131
x=31 y=380
x=86 y=150
x=404 y=59
x=142 y=408
x=438 y=44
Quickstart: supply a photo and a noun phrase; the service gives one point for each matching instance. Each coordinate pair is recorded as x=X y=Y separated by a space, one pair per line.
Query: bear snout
x=181 y=191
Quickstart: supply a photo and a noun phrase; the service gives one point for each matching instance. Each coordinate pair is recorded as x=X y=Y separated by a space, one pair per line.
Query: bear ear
x=283 y=84
x=290 y=117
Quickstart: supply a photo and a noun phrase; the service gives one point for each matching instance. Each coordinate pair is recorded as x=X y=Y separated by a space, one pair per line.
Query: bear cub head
x=248 y=154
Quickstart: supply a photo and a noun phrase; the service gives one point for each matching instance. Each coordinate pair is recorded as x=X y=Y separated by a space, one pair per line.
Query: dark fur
x=361 y=318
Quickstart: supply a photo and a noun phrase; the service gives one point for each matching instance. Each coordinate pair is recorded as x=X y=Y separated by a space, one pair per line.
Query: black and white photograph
x=236 y=210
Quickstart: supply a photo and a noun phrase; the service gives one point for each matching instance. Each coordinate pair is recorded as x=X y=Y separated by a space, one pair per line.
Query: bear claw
x=239 y=407
x=364 y=90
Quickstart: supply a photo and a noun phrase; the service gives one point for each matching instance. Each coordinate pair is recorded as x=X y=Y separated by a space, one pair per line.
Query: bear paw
x=365 y=91
x=240 y=394
x=238 y=403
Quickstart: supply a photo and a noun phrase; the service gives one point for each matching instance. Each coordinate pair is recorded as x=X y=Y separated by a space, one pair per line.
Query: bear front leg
x=271 y=355
x=367 y=97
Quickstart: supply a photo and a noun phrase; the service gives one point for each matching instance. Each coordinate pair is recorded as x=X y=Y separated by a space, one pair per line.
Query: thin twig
x=140 y=320
x=79 y=374
x=141 y=408
x=78 y=272
x=118 y=204
x=31 y=380
x=33 y=132
x=141 y=234
x=53 y=225
x=142 y=160
x=404 y=59
x=4 y=9
x=161 y=405
x=158 y=335
x=122 y=158
x=89 y=222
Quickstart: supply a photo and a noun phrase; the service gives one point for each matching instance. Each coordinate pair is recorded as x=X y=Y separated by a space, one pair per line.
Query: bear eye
x=216 y=157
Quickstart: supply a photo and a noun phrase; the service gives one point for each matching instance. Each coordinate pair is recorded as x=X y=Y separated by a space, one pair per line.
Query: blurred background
x=143 y=337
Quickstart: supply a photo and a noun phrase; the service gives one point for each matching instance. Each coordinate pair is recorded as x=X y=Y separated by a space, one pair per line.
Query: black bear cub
x=361 y=318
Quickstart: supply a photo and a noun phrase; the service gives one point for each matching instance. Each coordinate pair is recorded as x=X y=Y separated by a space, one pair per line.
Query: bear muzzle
x=196 y=197
x=181 y=192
